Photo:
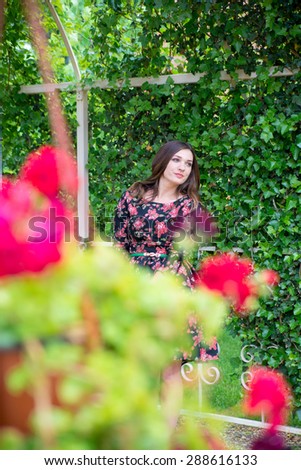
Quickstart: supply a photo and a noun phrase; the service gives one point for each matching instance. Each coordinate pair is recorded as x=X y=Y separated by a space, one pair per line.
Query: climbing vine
x=246 y=133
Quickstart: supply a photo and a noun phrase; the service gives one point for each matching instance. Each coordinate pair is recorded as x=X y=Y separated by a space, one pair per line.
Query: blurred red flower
x=33 y=220
x=20 y=208
x=50 y=170
x=269 y=277
x=230 y=276
x=269 y=393
x=269 y=440
x=199 y=224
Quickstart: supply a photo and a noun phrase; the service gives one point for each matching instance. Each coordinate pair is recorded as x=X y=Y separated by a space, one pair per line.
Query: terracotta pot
x=16 y=408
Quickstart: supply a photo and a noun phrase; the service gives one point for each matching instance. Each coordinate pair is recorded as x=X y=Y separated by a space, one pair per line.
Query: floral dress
x=143 y=229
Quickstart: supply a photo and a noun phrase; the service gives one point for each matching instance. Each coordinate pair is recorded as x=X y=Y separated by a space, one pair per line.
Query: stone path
x=239 y=437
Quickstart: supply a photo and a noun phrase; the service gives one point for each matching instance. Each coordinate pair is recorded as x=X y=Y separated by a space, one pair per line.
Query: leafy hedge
x=248 y=143
x=246 y=133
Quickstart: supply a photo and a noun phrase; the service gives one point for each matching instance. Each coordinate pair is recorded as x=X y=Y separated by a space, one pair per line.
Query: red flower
x=44 y=243
x=199 y=224
x=32 y=229
x=230 y=276
x=269 y=441
x=269 y=277
x=10 y=255
x=50 y=170
x=269 y=393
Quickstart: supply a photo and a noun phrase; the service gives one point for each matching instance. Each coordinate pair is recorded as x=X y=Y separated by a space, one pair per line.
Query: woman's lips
x=178 y=175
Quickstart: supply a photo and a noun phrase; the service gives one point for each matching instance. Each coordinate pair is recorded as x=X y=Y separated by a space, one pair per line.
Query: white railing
x=203 y=375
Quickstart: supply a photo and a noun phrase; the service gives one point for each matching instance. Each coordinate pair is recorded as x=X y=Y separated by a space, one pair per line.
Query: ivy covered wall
x=246 y=133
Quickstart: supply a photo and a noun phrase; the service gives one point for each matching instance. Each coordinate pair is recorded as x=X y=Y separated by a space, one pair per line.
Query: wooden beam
x=137 y=82
x=82 y=149
x=66 y=41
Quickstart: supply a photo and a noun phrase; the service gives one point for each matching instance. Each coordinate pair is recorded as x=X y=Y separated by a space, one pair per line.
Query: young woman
x=142 y=227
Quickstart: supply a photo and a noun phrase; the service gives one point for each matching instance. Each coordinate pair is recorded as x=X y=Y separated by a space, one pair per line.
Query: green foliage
x=228 y=391
x=108 y=394
x=147 y=38
x=23 y=121
x=246 y=134
x=75 y=18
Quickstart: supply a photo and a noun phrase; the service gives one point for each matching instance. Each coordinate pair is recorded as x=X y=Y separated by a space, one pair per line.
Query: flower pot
x=16 y=408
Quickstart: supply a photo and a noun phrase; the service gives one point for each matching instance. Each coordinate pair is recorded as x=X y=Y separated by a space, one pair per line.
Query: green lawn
x=223 y=397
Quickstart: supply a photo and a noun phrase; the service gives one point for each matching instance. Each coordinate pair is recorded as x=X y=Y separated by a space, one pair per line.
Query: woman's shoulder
x=186 y=200
x=126 y=195
x=188 y=204
x=129 y=198
x=124 y=200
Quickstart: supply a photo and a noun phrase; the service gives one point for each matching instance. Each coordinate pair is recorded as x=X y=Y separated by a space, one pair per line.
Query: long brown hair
x=160 y=162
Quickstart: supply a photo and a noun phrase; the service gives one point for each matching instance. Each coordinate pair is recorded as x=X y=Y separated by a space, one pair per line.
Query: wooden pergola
x=82 y=146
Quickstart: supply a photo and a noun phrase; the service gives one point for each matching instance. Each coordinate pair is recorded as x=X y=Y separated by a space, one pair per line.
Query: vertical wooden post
x=82 y=161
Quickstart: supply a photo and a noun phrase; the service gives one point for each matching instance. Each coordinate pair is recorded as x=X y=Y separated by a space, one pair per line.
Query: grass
x=227 y=392
x=224 y=397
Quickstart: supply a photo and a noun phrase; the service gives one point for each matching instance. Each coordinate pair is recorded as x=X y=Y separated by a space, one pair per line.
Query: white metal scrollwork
x=246 y=356
x=202 y=374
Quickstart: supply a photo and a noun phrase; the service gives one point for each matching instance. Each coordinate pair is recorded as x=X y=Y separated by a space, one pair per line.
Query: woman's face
x=179 y=167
